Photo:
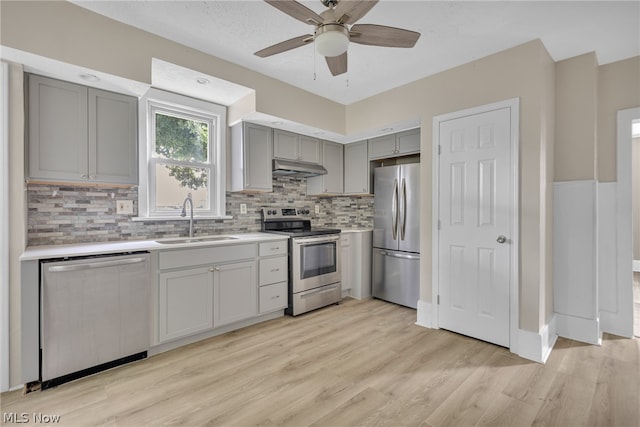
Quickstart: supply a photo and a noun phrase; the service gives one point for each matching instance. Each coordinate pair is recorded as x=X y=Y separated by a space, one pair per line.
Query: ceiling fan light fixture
x=331 y=40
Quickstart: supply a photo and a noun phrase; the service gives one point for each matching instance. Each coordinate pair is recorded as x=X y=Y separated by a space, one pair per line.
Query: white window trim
x=189 y=107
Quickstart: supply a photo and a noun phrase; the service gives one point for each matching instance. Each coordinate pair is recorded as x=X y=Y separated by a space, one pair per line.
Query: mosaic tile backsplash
x=59 y=214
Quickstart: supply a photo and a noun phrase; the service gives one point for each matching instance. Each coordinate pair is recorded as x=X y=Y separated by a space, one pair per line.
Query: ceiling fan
x=332 y=32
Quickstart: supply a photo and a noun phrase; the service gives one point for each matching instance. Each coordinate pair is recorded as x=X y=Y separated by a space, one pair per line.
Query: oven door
x=315 y=262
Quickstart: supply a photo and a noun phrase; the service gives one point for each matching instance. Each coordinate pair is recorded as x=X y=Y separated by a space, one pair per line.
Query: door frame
x=514 y=232
x=623 y=319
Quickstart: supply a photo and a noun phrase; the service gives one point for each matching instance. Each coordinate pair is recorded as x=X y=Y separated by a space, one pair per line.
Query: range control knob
x=306 y=211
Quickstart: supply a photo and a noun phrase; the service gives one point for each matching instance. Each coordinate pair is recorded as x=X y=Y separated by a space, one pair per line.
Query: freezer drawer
x=396 y=277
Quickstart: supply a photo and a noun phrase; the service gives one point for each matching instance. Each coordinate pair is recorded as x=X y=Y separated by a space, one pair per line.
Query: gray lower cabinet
x=234 y=292
x=292 y=146
x=398 y=144
x=251 y=153
x=205 y=288
x=356 y=168
x=273 y=277
x=333 y=181
x=80 y=134
x=185 y=303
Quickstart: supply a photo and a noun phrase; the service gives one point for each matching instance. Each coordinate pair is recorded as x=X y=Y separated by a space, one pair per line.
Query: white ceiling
x=453 y=33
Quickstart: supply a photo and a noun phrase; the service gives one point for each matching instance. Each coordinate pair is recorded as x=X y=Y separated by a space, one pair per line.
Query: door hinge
x=438 y=300
x=439 y=225
x=439 y=149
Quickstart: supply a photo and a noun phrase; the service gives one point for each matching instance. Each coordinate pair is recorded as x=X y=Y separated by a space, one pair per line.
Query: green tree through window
x=183 y=140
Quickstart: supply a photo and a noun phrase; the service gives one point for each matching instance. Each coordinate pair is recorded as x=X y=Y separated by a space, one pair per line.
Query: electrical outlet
x=243 y=208
x=317 y=209
x=124 y=207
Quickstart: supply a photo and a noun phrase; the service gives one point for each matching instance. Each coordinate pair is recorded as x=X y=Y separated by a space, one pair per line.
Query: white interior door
x=475 y=220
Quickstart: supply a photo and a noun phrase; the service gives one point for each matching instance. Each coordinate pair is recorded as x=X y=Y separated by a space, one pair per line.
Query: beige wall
x=68 y=33
x=635 y=184
x=576 y=114
x=618 y=89
x=525 y=72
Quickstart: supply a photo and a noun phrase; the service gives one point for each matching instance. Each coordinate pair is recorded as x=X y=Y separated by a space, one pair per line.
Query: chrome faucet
x=184 y=212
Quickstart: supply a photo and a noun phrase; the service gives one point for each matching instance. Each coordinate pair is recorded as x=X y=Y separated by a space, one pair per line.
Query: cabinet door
x=112 y=137
x=57 y=130
x=408 y=142
x=285 y=145
x=345 y=248
x=234 y=292
x=382 y=146
x=185 y=303
x=356 y=168
x=257 y=158
x=309 y=149
x=332 y=182
x=332 y=159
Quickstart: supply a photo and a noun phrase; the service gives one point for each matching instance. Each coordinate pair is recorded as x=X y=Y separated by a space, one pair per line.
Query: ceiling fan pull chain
x=314 y=62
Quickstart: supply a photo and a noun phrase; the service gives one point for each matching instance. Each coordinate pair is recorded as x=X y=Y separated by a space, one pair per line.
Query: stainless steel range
x=314 y=261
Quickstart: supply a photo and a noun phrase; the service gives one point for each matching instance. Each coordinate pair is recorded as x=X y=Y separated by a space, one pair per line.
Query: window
x=183 y=145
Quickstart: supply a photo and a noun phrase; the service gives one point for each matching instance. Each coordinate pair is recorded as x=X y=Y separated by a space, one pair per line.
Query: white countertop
x=83 y=249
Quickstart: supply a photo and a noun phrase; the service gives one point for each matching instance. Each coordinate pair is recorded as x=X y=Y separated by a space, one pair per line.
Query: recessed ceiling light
x=386 y=129
x=318 y=133
x=202 y=81
x=277 y=123
x=90 y=77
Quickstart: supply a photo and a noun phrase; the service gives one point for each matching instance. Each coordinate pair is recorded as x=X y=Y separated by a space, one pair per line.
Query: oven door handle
x=323 y=239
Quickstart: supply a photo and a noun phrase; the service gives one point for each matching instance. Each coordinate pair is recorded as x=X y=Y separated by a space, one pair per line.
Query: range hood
x=294 y=168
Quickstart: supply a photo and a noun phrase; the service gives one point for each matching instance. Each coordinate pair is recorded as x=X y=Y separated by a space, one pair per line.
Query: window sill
x=176 y=218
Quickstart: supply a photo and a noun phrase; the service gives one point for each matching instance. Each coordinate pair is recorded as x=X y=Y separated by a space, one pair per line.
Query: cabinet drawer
x=273 y=248
x=273 y=297
x=273 y=270
x=202 y=256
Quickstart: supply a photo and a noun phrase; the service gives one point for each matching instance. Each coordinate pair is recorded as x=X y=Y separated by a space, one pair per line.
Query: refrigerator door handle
x=394 y=210
x=397 y=255
x=404 y=208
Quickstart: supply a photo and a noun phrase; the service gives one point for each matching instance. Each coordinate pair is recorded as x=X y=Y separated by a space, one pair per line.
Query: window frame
x=159 y=101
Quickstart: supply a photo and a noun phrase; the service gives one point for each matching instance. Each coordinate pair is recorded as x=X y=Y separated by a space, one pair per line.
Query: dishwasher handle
x=91 y=265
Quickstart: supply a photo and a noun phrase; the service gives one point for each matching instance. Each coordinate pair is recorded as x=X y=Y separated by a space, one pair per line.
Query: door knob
x=501 y=239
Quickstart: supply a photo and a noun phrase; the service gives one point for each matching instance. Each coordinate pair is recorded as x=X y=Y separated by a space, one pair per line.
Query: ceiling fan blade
x=353 y=9
x=337 y=64
x=285 y=46
x=380 y=35
x=297 y=11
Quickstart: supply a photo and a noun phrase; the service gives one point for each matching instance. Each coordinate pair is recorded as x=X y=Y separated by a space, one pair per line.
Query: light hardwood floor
x=359 y=363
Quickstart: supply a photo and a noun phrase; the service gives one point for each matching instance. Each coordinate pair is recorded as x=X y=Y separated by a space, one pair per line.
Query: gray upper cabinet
x=113 y=128
x=332 y=182
x=291 y=146
x=399 y=144
x=80 y=134
x=356 y=168
x=251 y=154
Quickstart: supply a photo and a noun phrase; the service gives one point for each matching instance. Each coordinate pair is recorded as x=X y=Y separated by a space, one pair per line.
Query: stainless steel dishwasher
x=93 y=314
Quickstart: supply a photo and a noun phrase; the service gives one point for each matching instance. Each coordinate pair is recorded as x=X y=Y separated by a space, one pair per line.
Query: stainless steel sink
x=195 y=240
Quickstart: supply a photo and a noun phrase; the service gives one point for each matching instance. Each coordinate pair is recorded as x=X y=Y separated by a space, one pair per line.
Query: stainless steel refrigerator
x=396 y=234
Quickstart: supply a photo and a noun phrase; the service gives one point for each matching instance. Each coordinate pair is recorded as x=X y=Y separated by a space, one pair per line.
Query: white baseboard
x=579 y=329
x=537 y=346
x=424 y=314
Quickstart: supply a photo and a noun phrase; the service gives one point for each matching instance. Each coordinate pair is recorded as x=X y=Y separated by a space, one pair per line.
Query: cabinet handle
x=212 y=269
x=275 y=297
x=325 y=190
x=274 y=270
x=84 y=176
x=92 y=177
x=276 y=248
